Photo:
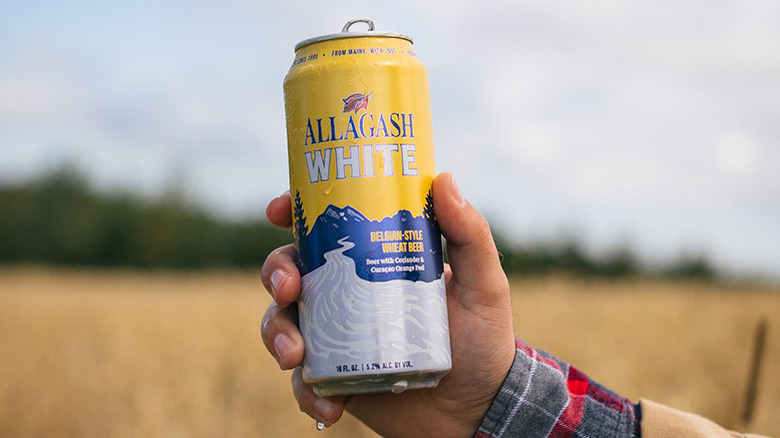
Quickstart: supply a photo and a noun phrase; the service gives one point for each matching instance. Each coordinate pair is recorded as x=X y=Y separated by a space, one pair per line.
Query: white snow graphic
x=346 y=319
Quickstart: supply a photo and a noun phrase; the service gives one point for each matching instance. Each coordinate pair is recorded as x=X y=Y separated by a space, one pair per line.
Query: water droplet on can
x=320 y=426
x=399 y=387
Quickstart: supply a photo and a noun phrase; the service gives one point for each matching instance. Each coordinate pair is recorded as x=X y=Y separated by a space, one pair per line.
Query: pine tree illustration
x=301 y=229
x=428 y=212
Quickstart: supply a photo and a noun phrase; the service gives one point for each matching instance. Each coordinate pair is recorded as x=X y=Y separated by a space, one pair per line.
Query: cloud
x=627 y=118
x=736 y=154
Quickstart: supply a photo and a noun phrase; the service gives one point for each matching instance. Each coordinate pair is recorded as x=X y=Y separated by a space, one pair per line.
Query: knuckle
x=267 y=322
x=276 y=259
x=483 y=228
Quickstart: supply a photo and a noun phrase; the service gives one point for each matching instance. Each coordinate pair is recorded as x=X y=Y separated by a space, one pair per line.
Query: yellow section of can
x=359 y=126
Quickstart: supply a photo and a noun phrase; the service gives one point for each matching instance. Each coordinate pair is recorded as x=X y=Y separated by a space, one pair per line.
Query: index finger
x=279 y=210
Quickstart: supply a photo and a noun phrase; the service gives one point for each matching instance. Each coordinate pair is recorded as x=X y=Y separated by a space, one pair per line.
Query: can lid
x=345 y=33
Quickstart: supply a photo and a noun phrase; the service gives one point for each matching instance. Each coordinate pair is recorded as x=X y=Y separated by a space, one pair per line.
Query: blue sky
x=649 y=124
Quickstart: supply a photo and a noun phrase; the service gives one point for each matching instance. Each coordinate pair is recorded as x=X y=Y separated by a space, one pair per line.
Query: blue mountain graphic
x=340 y=217
x=336 y=223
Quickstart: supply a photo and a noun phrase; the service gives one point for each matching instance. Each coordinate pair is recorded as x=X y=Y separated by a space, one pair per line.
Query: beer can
x=373 y=310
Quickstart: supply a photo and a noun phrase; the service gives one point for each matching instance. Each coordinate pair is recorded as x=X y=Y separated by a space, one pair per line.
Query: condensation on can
x=373 y=309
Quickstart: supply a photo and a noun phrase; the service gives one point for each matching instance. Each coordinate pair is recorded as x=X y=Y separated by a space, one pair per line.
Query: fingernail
x=456 y=193
x=324 y=408
x=277 y=279
x=282 y=344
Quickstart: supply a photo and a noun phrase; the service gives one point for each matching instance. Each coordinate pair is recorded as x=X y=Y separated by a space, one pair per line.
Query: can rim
x=345 y=33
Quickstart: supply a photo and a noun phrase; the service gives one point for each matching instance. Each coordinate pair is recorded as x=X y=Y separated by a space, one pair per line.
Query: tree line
x=59 y=219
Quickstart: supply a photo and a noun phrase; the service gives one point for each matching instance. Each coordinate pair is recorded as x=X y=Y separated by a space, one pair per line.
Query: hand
x=480 y=318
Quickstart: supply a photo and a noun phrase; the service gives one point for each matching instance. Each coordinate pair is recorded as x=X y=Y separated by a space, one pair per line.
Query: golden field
x=141 y=354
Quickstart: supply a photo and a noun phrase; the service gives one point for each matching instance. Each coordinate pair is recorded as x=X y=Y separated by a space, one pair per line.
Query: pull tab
x=358 y=20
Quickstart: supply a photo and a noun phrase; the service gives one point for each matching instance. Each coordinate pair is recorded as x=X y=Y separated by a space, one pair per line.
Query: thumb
x=471 y=250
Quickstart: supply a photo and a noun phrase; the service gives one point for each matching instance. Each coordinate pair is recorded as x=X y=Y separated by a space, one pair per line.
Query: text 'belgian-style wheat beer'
x=373 y=310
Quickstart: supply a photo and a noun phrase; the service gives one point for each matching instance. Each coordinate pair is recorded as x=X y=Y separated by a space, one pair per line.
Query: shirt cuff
x=542 y=396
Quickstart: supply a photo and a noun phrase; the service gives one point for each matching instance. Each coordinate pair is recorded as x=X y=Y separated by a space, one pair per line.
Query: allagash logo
x=357 y=160
x=363 y=126
x=356 y=101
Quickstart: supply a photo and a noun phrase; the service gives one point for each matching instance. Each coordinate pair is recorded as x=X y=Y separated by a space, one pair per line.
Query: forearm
x=660 y=421
x=545 y=397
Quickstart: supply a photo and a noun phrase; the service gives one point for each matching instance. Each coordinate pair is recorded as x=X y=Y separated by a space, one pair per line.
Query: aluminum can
x=373 y=310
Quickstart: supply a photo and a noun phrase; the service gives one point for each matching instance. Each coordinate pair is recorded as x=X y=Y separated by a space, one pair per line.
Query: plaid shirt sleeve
x=544 y=397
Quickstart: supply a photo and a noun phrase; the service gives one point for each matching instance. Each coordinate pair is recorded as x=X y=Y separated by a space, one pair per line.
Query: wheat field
x=153 y=354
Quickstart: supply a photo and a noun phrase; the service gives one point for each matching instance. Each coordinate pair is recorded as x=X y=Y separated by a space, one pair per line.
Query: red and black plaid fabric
x=544 y=397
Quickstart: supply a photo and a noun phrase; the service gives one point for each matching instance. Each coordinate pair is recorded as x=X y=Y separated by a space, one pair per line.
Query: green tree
x=428 y=211
x=301 y=229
